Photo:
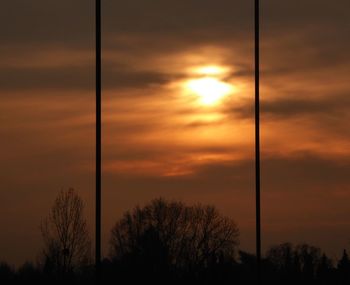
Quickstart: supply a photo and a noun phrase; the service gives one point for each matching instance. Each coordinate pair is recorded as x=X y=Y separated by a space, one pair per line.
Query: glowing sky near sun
x=209 y=85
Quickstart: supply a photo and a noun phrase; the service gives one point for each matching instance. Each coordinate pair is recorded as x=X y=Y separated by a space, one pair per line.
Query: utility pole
x=257 y=137
x=98 y=141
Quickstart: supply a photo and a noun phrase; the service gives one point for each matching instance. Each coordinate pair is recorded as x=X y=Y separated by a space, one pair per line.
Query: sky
x=178 y=103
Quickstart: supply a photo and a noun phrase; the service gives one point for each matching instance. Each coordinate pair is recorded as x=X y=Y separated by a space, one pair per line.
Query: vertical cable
x=257 y=138
x=98 y=141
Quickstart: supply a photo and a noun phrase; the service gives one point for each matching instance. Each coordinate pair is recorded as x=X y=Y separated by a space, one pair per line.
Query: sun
x=210 y=90
x=208 y=84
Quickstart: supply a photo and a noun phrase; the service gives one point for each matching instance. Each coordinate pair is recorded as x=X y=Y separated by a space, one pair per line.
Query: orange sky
x=159 y=138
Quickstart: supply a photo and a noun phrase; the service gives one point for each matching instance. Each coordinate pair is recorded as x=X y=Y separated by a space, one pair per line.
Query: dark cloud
x=123 y=79
x=300 y=14
x=308 y=172
x=304 y=172
x=41 y=23
x=66 y=22
x=59 y=78
x=80 y=78
x=158 y=27
x=201 y=124
x=295 y=107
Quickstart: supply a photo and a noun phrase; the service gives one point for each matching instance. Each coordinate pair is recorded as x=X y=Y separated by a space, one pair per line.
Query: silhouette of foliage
x=65 y=235
x=165 y=237
x=6 y=272
x=167 y=243
x=344 y=267
x=302 y=263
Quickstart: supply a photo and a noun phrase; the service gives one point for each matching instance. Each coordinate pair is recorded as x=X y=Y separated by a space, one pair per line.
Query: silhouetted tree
x=282 y=258
x=7 y=273
x=309 y=259
x=247 y=267
x=344 y=267
x=65 y=235
x=166 y=236
x=28 y=272
x=325 y=270
x=300 y=263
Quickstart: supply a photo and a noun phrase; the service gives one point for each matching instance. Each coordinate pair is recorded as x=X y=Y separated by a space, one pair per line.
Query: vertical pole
x=98 y=141
x=257 y=139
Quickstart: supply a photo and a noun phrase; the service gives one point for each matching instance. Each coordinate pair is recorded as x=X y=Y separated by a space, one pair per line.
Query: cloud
x=295 y=106
x=64 y=78
x=42 y=24
x=80 y=78
x=307 y=171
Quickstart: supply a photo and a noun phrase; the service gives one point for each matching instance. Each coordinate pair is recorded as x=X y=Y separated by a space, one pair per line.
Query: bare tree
x=173 y=234
x=300 y=261
x=65 y=234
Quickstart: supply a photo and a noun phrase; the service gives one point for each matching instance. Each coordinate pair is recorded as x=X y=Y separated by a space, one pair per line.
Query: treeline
x=294 y=269
x=166 y=243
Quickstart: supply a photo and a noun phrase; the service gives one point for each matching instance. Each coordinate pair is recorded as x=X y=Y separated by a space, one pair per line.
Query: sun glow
x=209 y=89
x=210 y=70
x=208 y=84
